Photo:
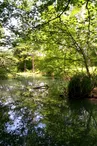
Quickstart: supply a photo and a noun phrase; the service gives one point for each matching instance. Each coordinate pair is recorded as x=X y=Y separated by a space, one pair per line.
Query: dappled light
x=48 y=72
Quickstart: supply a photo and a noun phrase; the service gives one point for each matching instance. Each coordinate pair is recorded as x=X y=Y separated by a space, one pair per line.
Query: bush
x=80 y=86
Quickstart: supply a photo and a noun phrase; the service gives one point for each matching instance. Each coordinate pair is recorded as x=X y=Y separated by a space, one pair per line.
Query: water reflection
x=40 y=117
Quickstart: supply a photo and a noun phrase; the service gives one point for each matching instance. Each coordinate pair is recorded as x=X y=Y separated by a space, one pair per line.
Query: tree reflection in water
x=41 y=118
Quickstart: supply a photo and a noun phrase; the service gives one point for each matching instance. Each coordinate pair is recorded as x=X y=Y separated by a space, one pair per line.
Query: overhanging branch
x=58 y=16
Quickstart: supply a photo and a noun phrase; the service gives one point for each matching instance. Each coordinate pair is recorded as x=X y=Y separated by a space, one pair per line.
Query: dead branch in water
x=41 y=87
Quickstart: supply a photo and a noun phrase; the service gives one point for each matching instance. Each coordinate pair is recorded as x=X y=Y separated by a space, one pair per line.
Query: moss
x=80 y=86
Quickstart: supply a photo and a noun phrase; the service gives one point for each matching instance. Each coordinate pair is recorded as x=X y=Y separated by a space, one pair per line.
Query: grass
x=29 y=74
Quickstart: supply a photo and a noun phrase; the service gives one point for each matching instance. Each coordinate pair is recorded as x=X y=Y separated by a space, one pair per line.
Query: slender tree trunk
x=25 y=68
x=33 y=64
x=86 y=65
x=81 y=51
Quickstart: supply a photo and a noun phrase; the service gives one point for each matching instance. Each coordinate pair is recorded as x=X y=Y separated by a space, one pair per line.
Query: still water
x=34 y=116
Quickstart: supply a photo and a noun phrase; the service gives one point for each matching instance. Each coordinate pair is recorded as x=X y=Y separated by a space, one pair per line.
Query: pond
x=33 y=115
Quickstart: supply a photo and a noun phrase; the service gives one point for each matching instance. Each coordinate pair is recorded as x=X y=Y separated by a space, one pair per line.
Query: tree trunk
x=25 y=68
x=32 y=63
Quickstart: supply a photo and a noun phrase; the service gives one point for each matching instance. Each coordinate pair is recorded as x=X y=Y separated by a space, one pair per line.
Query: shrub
x=80 y=86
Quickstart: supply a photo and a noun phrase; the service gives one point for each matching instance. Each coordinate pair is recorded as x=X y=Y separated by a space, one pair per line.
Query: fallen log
x=41 y=87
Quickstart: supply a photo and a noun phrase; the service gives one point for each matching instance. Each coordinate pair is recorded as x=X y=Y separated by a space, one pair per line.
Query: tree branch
x=78 y=49
x=58 y=16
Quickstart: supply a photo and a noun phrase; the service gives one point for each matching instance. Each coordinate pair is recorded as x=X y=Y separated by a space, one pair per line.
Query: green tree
x=7 y=64
x=72 y=32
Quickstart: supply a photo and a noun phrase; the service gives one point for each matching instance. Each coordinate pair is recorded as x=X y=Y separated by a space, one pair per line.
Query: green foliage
x=21 y=52
x=80 y=86
x=7 y=64
x=65 y=31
